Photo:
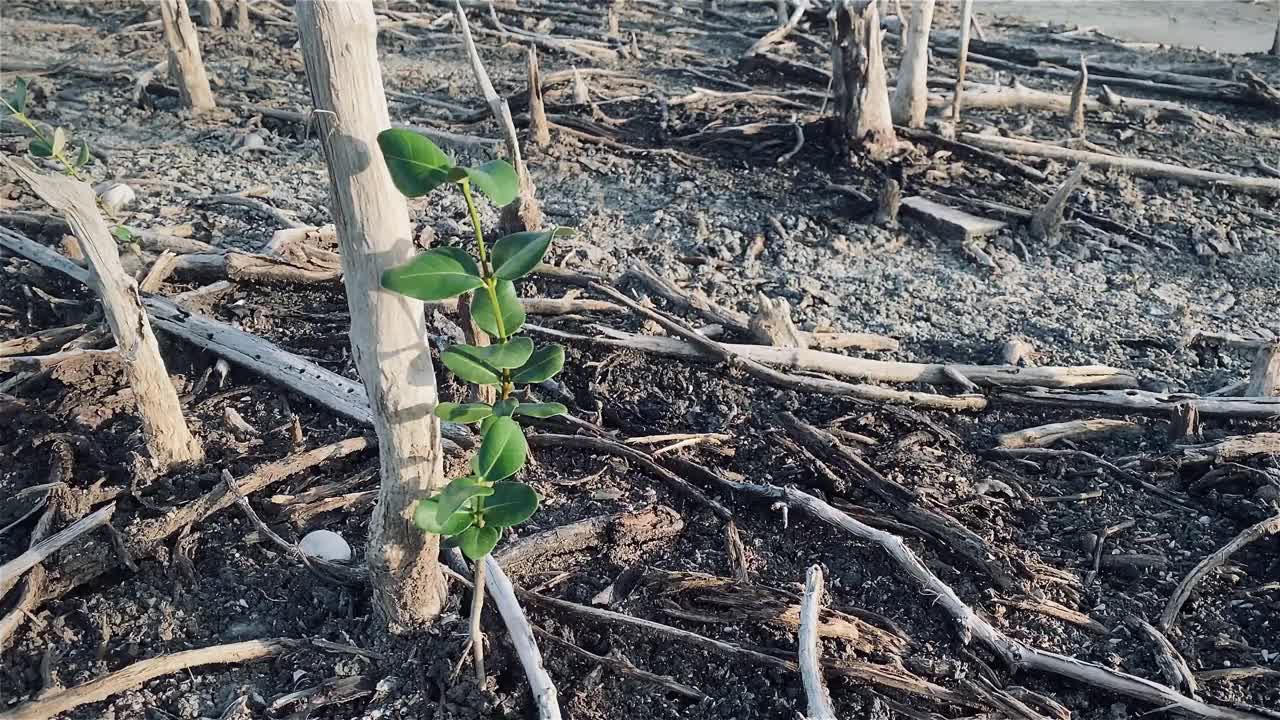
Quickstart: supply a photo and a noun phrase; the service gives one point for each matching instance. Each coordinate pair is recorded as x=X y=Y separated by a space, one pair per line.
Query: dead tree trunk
x=1079 y=96
x=962 y=57
x=185 y=66
x=1264 y=377
x=388 y=332
x=859 y=87
x=169 y=442
x=243 y=24
x=911 y=97
x=210 y=13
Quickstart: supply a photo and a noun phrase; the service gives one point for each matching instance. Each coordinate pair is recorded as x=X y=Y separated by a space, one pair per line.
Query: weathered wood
x=859 y=86
x=949 y=222
x=1079 y=92
x=169 y=441
x=1145 y=403
x=388 y=332
x=521 y=634
x=1234 y=448
x=185 y=65
x=1182 y=593
x=887 y=203
x=11 y=571
x=603 y=534
x=772 y=324
x=962 y=58
x=210 y=13
x=817 y=698
x=539 y=130
x=1264 y=376
x=243 y=24
x=1045 y=223
x=911 y=96
x=1134 y=166
x=1047 y=435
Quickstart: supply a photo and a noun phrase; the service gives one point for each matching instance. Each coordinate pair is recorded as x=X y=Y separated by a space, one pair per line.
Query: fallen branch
x=1183 y=592
x=1141 y=401
x=626 y=669
x=33 y=363
x=1171 y=663
x=504 y=597
x=1044 y=224
x=137 y=674
x=1134 y=166
x=1087 y=376
x=618 y=531
x=778 y=34
x=42 y=341
x=1044 y=436
x=815 y=687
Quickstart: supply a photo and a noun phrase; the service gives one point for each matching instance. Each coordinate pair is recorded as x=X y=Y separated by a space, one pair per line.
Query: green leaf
x=496 y=179
x=510 y=354
x=511 y=504
x=436 y=274
x=59 y=140
x=504 y=408
x=84 y=157
x=516 y=255
x=426 y=514
x=416 y=164
x=40 y=148
x=457 y=492
x=477 y=542
x=468 y=413
x=545 y=362
x=17 y=99
x=502 y=452
x=485 y=424
x=468 y=365
x=509 y=307
x=122 y=234
x=541 y=410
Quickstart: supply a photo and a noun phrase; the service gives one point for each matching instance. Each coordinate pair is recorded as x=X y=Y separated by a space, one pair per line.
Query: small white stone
x=325 y=545
x=116 y=196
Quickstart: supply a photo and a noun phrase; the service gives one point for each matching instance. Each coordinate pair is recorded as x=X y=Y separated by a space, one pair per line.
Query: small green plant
x=473 y=510
x=55 y=146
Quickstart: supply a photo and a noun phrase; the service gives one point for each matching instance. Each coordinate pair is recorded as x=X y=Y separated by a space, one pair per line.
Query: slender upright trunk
x=388 y=331
x=962 y=57
x=859 y=87
x=185 y=66
x=911 y=97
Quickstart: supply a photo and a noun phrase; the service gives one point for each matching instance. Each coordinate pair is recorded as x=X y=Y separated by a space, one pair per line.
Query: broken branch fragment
x=1044 y=224
x=949 y=222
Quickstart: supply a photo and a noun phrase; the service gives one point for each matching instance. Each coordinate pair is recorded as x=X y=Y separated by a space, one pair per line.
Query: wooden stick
x=169 y=441
x=1044 y=224
x=815 y=686
x=911 y=96
x=1183 y=592
x=1141 y=401
x=962 y=61
x=11 y=571
x=33 y=363
x=185 y=65
x=1079 y=92
x=42 y=341
x=388 y=336
x=1043 y=436
x=1171 y=663
x=504 y=597
x=1086 y=376
x=524 y=213
x=637 y=528
x=538 y=128
x=969 y=624
x=797 y=382
x=1134 y=166
x=778 y=34
x=137 y=674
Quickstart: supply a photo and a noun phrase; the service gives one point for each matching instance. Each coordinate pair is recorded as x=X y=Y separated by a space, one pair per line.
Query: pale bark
x=210 y=13
x=169 y=442
x=388 y=331
x=1264 y=376
x=859 y=87
x=815 y=686
x=539 y=130
x=1079 y=94
x=962 y=58
x=185 y=65
x=911 y=97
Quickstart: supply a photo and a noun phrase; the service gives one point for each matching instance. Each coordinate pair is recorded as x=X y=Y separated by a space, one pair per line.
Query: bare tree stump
x=1264 y=377
x=962 y=57
x=243 y=23
x=911 y=97
x=772 y=324
x=539 y=130
x=185 y=66
x=1045 y=223
x=859 y=86
x=1079 y=95
x=1275 y=41
x=210 y=13
x=887 y=203
x=1184 y=423
x=388 y=334
x=169 y=442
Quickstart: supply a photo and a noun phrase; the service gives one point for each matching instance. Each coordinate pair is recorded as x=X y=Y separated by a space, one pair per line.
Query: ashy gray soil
x=648 y=172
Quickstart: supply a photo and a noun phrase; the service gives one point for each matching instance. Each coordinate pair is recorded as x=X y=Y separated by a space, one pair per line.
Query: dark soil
x=692 y=211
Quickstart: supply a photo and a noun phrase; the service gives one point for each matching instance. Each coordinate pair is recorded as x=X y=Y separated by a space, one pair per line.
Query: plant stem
x=477 y=638
x=490 y=282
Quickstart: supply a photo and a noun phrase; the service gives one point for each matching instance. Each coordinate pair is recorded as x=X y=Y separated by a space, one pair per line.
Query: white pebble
x=325 y=545
x=116 y=196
